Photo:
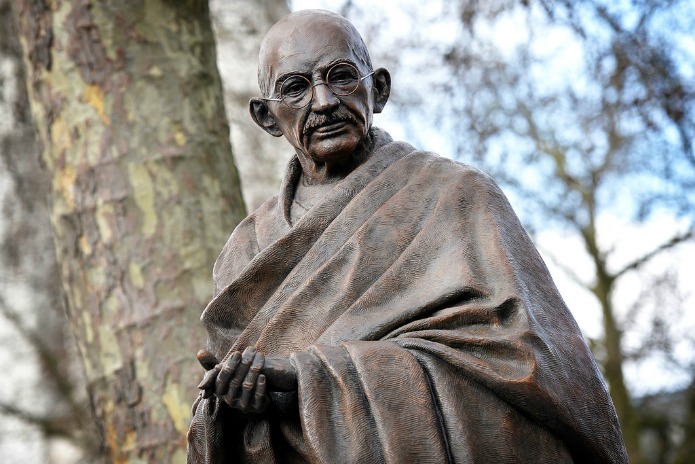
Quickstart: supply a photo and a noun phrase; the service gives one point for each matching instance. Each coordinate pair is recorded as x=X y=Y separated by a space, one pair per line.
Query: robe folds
x=423 y=325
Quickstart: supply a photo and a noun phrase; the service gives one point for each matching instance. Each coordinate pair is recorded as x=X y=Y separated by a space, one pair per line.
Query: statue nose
x=324 y=98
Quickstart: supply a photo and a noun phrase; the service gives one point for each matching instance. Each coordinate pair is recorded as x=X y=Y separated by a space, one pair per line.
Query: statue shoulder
x=451 y=171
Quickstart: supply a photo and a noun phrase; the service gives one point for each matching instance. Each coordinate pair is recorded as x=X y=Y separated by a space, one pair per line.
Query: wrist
x=280 y=374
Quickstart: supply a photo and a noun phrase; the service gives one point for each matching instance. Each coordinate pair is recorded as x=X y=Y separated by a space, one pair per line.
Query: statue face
x=330 y=127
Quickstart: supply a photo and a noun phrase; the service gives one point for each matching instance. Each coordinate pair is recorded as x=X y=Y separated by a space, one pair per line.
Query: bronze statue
x=387 y=306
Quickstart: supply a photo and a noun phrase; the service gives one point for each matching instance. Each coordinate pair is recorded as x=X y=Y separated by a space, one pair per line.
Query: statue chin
x=336 y=146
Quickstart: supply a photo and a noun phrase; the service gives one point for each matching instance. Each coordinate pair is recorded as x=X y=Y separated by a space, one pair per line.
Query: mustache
x=339 y=115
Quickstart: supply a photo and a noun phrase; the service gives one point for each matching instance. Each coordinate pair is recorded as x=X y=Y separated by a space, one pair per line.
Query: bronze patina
x=387 y=305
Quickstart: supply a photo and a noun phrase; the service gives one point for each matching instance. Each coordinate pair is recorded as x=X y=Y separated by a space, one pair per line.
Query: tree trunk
x=128 y=104
x=42 y=386
x=686 y=449
x=613 y=368
x=240 y=26
x=613 y=358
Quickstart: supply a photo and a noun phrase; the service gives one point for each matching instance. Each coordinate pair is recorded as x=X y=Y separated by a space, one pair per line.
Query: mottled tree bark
x=38 y=366
x=128 y=104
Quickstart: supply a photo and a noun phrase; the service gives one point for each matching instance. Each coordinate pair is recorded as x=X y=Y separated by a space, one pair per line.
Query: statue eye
x=342 y=75
x=295 y=87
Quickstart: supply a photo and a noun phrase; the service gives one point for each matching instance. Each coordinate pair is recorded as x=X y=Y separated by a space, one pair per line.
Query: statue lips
x=329 y=125
x=330 y=129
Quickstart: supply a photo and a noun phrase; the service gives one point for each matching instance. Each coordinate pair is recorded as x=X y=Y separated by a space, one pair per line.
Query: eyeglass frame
x=322 y=82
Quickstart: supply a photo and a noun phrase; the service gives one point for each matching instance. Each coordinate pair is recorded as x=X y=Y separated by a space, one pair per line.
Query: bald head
x=307 y=33
x=330 y=129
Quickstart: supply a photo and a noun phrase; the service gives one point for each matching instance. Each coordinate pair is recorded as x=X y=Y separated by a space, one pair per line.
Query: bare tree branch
x=48 y=361
x=50 y=426
x=674 y=241
x=23 y=330
x=567 y=270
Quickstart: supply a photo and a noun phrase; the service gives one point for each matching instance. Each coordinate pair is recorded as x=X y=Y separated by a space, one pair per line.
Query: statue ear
x=262 y=116
x=381 y=88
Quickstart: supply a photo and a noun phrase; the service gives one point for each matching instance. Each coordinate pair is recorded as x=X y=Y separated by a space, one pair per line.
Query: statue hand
x=209 y=363
x=243 y=380
x=239 y=382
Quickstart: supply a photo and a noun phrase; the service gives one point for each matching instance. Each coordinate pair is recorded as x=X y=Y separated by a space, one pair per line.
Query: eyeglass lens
x=342 y=79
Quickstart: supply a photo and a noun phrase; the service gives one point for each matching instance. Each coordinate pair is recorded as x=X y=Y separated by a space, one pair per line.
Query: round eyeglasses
x=297 y=91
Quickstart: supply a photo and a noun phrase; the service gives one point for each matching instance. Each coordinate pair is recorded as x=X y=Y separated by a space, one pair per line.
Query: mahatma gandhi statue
x=387 y=305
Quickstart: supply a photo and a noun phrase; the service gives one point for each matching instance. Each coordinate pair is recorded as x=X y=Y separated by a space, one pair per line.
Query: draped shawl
x=422 y=323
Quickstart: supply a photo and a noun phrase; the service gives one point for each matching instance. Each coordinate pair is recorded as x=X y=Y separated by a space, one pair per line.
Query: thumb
x=206 y=359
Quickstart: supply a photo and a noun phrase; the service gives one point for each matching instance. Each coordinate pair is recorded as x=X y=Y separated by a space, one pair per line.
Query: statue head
x=319 y=89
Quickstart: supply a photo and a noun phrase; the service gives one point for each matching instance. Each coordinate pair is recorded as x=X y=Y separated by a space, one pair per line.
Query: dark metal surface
x=387 y=306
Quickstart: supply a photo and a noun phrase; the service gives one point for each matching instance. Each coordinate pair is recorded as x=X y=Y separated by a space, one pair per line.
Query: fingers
x=260 y=400
x=227 y=369
x=206 y=359
x=239 y=374
x=249 y=383
x=208 y=381
x=237 y=380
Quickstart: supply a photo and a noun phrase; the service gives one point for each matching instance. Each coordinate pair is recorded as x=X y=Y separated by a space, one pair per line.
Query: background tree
x=28 y=247
x=239 y=27
x=128 y=105
x=40 y=399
